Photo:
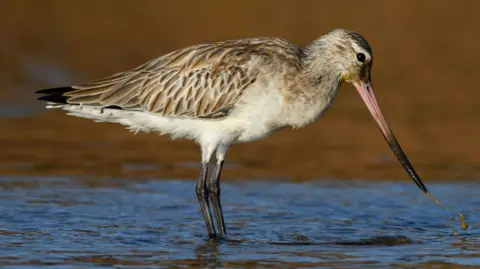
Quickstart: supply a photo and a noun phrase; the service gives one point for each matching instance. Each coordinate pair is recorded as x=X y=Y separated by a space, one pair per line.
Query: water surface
x=72 y=223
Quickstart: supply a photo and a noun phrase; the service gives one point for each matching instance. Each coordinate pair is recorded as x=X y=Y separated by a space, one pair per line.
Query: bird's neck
x=314 y=92
x=321 y=72
x=324 y=82
x=320 y=77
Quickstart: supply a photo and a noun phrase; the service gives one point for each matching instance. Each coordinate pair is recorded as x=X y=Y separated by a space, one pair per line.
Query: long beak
x=366 y=92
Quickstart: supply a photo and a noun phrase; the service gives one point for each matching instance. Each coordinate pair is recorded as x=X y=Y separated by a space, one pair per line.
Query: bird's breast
x=307 y=107
x=260 y=113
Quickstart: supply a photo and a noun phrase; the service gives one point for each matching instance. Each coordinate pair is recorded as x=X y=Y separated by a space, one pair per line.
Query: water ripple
x=65 y=222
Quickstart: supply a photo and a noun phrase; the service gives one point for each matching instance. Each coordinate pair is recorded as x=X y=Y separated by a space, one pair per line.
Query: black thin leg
x=213 y=185
x=202 y=195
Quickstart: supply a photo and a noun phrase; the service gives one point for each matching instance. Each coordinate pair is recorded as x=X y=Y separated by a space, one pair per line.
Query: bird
x=228 y=92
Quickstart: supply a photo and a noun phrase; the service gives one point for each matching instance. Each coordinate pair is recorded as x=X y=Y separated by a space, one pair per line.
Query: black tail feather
x=55 y=95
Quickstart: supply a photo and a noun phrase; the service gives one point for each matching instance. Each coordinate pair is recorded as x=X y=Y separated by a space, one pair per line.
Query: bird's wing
x=199 y=81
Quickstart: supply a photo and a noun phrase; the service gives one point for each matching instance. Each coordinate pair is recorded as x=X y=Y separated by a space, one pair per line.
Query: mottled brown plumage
x=198 y=81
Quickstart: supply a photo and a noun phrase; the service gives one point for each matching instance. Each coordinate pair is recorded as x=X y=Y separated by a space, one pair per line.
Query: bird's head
x=343 y=53
x=347 y=57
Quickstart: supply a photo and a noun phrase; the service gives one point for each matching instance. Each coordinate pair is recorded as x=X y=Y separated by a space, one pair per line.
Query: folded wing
x=198 y=81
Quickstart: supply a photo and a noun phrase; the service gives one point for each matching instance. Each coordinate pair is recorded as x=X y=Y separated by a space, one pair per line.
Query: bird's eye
x=361 y=57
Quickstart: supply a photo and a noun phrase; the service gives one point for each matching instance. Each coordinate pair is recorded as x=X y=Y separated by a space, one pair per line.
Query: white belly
x=254 y=117
x=247 y=124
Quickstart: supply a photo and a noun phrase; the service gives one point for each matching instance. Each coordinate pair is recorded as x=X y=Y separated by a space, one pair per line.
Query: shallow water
x=72 y=223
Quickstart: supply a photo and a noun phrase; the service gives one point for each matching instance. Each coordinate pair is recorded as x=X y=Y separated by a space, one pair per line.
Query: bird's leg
x=213 y=185
x=202 y=195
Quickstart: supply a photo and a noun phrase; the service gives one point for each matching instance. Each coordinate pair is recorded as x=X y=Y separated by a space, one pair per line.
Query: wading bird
x=228 y=92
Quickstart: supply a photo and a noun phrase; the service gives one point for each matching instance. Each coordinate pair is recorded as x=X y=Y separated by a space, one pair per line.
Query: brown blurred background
x=425 y=76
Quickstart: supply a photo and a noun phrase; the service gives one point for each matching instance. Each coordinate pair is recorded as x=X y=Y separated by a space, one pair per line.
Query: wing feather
x=199 y=81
